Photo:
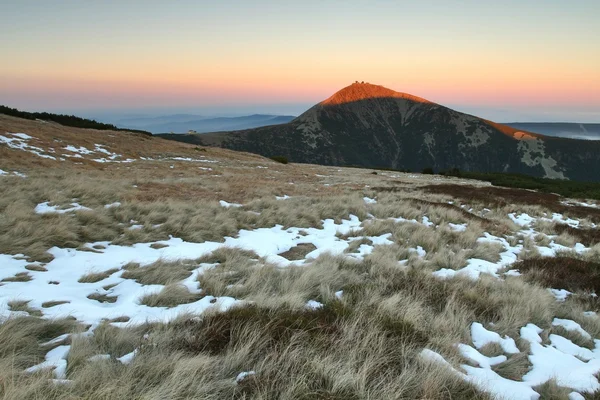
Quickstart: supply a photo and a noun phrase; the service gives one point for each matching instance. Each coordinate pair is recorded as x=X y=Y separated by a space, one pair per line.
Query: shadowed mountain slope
x=372 y=126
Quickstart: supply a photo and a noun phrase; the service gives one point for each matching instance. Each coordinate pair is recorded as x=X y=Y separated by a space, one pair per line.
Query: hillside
x=65 y=120
x=372 y=126
x=137 y=267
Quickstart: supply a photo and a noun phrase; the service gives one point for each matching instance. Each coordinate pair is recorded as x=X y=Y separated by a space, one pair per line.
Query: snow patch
x=560 y=294
x=458 y=227
x=225 y=204
x=369 y=200
x=571 y=326
x=18 y=141
x=55 y=359
x=46 y=208
x=561 y=360
x=243 y=375
x=128 y=358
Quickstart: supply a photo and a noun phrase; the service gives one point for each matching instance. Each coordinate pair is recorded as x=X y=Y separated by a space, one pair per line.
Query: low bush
x=280 y=159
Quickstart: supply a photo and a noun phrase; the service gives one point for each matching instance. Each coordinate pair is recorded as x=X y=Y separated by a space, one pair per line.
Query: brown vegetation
x=562 y=273
x=378 y=313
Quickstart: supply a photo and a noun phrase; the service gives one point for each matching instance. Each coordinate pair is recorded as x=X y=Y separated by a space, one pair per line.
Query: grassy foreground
x=378 y=310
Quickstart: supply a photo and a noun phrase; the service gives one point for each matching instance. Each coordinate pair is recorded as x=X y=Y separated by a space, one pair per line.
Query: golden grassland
x=362 y=345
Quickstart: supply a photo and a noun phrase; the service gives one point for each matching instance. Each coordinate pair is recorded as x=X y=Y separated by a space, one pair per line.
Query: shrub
x=428 y=171
x=280 y=159
x=453 y=172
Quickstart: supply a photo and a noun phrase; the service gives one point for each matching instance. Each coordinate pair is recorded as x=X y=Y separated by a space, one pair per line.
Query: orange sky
x=132 y=54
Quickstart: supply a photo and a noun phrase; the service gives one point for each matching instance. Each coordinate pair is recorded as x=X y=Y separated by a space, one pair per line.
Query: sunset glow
x=136 y=54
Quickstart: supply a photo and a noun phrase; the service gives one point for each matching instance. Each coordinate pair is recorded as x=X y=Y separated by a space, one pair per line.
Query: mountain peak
x=364 y=91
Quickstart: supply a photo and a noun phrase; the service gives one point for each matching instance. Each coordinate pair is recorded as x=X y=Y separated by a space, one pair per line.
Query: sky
x=505 y=60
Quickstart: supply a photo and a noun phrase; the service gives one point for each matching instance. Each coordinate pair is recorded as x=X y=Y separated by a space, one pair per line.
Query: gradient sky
x=507 y=60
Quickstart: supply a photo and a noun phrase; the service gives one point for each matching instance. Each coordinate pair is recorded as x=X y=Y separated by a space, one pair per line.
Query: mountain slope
x=372 y=126
x=66 y=120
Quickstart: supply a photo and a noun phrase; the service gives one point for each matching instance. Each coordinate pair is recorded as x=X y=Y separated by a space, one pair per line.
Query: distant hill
x=561 y=129
x=372 y=126
x=66 y=120
x=143 y=122
x=182 y=123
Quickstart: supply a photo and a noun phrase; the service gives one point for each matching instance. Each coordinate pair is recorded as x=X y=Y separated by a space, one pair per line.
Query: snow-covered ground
x=100 y=153
x=19 y=141
x=46 y=208
x=70 y=264
x=571 y=365
x=13 y=173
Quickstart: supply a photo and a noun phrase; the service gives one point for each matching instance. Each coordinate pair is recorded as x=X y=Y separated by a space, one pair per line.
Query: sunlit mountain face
x=364 y=91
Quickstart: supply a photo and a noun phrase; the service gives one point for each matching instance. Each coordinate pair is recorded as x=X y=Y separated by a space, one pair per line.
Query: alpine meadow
x=199 y=200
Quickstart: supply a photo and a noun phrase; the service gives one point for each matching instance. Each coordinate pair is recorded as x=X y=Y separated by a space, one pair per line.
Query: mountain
x=182 y=123
x=561 y=129
x=143 y=121
x=372 y=126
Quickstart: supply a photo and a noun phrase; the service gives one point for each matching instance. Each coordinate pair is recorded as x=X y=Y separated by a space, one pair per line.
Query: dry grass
x=514 y=367
x=35 y=267
x=488 y=251
x=160 y=272
x=587 y=237
x=170 y=296
x=20 y=343
x=298 y=252
x=362 y=344
x=551 y=390
x=93 y=277
x=562 y=273
x=521 y=198
x=574 y=337
x=54 y=303
x=102 y=297
x=23 y=305
x=19 y=277
x=296 y=351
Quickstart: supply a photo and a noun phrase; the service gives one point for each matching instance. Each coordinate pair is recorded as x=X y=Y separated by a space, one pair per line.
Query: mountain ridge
x=183 y=123
x=372 y=126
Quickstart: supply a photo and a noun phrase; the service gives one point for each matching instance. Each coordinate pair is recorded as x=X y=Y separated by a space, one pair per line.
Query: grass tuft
x=23 y=305
x=170 y=296
x=19 y=277
x=49 y=304
x=102 y=298
x=93 y=277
